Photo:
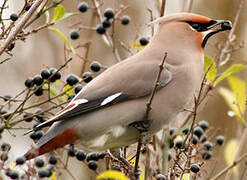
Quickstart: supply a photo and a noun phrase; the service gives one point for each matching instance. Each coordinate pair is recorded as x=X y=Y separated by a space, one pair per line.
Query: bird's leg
x=141 y=126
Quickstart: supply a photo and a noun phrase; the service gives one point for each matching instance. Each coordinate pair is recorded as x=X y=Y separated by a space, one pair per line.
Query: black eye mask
x=200 y=27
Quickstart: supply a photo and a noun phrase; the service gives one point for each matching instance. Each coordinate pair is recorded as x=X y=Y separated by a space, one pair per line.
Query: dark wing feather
x=80 y=109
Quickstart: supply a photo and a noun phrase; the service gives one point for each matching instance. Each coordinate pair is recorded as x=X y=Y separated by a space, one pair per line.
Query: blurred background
x=46 y=49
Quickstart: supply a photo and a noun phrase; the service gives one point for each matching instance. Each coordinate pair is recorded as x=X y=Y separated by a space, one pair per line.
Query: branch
x=234 y=163
x=148 y=109
x=19 y=26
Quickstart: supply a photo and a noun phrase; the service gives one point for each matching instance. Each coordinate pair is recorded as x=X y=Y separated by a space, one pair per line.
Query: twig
x=234 y=163
x=148 y=109
x=190 y=5
x=225 y=49
x=162 y=9
x=19 y=26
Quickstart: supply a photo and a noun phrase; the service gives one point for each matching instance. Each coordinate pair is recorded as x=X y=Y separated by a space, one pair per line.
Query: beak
x=225 y=25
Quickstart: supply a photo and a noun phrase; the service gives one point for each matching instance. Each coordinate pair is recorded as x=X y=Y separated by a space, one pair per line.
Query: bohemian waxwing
x=104 y=113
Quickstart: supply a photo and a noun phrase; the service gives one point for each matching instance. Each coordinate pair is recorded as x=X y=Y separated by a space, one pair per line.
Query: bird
x=108 y=112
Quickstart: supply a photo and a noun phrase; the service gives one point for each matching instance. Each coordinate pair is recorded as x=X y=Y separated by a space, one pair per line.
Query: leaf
x=63 y=38
x=186 y=176
x=136 y=45
x=69 y=90
x=210 y=68
x=47 y=16
x=54 y=92
x=231 y=101
x=67 y=15
x=231 y=70
x=238 y=87
x=58 y=13
x=113 y=175
x=230 y=152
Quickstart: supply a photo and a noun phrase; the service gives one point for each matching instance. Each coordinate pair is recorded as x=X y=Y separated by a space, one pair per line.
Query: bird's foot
x=141 y=126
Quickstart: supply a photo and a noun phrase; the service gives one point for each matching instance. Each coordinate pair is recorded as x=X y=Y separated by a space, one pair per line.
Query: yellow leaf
x=231 y=101
x=113 y=175
x=54 y=92
x=53 y=176
x=238 y=87
x=136 y=45
x=230 y=152
x=47 y=16
x=69 y=90
x=231 y=70
x=210 y=68
x=58 y=13
x=186 y=176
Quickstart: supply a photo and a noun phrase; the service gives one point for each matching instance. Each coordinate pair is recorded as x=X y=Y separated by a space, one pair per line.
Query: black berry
x=56 y=75
x=203 y=124
x=78 y=88
x=80 y=155
x=178 y=143
x=87 y=77
x=220 y=140
x=195 y=168
x=198 y=131
x=39 y=162
x=195 y=139
x=7 y=97
x=109 y=13
x=92 y=165
x=71 y=97
x=5 y=146
x=29 y=82
x=14 y=17
x=125 y=20
x=206 y=155
x=11 y=46
x=52 y=159
x=36 y=135
x=208 y=145
x=20 y=160
x=91 y=156
x=13 y=174
x=143 y=41
x=43 y=173
x=106 y=23
x=172 y=131
x=101 y=155
x=38 y=80
x=95 y=66
x=100 y=29
x=38 y=91
x=45 y=74
x=71 y=152
x=82 y=7
x=28 y=6
x=72 y=79
x=186 y=130
x=74 y=34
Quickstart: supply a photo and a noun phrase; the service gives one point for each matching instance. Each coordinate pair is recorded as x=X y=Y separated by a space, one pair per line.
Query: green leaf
x=58 y=13
x=210 y=68
x=238 y=87
x=230 y=152
x=230 y=99
x=54 y=92
x=231 y=70
x=186 y=176
x=112 y=175
x=63 y=38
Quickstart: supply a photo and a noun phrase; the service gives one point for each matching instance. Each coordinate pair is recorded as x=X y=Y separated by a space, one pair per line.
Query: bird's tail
x=45 y=145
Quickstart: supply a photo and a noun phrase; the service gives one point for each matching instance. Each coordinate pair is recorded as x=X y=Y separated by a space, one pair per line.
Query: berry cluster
x=91 y=159
x=198 y=143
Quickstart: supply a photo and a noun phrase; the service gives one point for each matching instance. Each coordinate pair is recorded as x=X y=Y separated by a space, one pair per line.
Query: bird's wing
x=120 y=83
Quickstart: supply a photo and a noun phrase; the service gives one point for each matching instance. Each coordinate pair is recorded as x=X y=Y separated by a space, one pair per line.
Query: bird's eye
x=195 y=26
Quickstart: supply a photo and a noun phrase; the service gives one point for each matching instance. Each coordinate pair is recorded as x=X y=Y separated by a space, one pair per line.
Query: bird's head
x=187 y=27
